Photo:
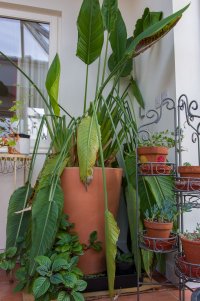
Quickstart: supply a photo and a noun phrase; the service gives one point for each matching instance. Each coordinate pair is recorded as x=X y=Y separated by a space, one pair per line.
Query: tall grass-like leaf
x=90 y=31
x=52 y=84
x=109 y=12
x=17 y=223
x=87 y=147
x=147 y=258
x=46 y=212
x=136 y=92
x=111 y=234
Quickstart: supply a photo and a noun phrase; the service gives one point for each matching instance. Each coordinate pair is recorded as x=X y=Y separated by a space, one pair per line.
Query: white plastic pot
x=23 y=144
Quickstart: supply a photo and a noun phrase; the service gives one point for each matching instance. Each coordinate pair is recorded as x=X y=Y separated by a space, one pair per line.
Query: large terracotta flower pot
x=191 y=249
x=189 y=178
x=158 y=230
x=189 y=171
x=85 y=208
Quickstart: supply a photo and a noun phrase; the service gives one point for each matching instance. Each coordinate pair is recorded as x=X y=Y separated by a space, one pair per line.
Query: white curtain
x=26 y=93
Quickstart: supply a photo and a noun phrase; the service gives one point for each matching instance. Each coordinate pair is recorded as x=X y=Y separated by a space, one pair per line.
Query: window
x=31 y=44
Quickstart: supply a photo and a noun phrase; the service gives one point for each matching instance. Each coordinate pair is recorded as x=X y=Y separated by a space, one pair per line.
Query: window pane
x=27 y=44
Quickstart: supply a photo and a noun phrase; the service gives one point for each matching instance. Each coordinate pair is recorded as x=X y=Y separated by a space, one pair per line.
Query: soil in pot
x=85 y=208
x=191 y=249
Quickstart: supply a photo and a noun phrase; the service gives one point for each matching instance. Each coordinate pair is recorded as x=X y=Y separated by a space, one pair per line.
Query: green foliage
x=87 y=147
x=90 y=31
x=93 y=243
x=164 y=138
x=52 y=84
x=109 y=12
x=165 y=213
x=8 y=259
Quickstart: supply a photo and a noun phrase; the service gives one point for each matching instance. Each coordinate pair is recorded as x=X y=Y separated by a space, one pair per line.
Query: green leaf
x=17 y=224
x=46 y=214
x=153 y=33
x=21 y=274
x=136 y=93
x=19 y=287
x=81 y=285
x=90 y=31
x=43 y=261
x=118 y=38
x=42 y=270
x=63 y=296
x=147 y=259
x=111 y=236
x=87 y=147
x=78 y=296
x=60 y=264
x=56 y=279
x=93 y=236
x=4 y=265
x=52 y=84
x=11 y=252
x=69 y=280
x=109 y=12
x=40 y=286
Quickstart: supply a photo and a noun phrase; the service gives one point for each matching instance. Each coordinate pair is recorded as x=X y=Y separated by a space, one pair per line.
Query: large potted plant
x=94 y=134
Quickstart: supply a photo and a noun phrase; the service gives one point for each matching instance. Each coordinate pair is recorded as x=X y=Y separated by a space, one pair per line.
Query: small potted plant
x=191 y=245
x=189 y=262
x=155 y=150
x=124 y=263
x=17 y=143
x=159 y=223
x=189 y=177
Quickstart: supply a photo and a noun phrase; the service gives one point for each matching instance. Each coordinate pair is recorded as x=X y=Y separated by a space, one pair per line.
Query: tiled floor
x=158 y=295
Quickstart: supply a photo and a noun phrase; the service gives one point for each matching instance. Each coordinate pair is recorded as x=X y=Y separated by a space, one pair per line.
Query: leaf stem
x=86 y=87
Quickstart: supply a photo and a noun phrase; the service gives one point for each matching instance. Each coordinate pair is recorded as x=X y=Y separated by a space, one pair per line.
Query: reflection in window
x=27 y=44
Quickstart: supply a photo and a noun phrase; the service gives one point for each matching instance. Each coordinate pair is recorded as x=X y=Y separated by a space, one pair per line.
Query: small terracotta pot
x=189 y=171
x=152 y=154
x=158 y=230
x=85 y=208
x=191 y=249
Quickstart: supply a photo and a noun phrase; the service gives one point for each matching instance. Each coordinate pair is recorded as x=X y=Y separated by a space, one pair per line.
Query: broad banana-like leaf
x=133 y=218
x=154 y=33
x=17 y=223
x=136 y=92
x=87 y=147
x=90 y=31
x=46 y=212
x=111 y=237
x=109 y=12
x=52 y=84
x=148 y=19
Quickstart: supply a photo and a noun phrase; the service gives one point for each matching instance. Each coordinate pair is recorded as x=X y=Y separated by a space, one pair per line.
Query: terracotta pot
x=152 y=154
x=158 y=230
x=85 y=208
x=190 y=270
x=189 y=171
x=191 y=249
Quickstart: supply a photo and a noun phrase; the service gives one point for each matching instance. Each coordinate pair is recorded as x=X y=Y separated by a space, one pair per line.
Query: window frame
x=54 y=21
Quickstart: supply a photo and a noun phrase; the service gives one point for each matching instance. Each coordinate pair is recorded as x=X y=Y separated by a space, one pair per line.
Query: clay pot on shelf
x=189 y=178
x=158 y=230
x=155 y=154
x=191 y=249
x=85 y=208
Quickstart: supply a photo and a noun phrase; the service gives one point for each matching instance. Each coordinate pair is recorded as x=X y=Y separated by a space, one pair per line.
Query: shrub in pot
x=155 y=149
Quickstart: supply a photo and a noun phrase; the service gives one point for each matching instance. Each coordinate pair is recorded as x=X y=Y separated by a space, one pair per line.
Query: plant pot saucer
x=159 y=245
x=155 y=169
x=187 y=270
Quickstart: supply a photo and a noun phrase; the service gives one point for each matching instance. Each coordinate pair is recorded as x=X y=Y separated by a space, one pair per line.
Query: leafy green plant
x=187 y=164
x=93 y=243
x=167 y=212
x=93 y=139
x=124 y=257
x=164 y=138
